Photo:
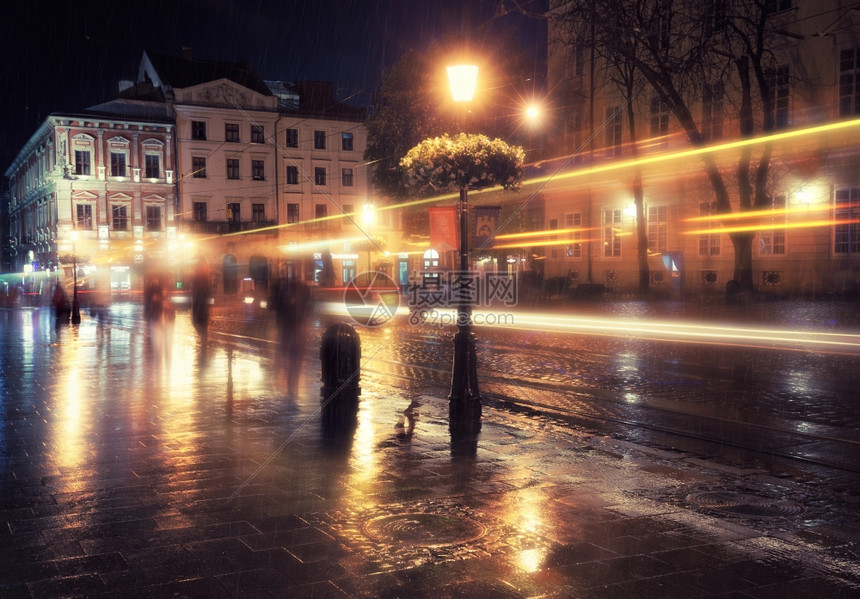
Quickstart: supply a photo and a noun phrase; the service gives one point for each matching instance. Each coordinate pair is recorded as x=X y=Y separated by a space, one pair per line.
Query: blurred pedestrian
x=292 y=303
x=153 y=300
x=201 y=294
x=60 y=303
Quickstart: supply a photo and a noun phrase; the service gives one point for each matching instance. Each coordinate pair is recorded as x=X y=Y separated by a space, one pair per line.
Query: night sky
x=65 y=56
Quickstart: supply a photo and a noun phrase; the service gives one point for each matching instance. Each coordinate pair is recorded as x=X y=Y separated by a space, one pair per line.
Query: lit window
x=658 y=241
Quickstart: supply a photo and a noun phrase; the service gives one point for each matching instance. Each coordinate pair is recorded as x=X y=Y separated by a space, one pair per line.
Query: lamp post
x=465 y=398
x=76 y=306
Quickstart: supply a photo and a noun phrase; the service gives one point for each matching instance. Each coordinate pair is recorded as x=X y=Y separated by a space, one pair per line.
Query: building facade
x=807 y=237
x=195 y=160
x=98 y=187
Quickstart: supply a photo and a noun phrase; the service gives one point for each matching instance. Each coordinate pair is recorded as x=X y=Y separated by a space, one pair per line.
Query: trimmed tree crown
x=443 y=164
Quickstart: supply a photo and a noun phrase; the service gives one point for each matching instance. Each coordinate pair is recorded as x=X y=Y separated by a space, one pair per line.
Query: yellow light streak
x=542 y=233
x=779 y=212
x=319 y=244
x=693 y=152
x=769 y=226
x=521 y=244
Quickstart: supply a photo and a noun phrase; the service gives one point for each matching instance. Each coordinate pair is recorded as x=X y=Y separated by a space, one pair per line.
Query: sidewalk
x=136 y=471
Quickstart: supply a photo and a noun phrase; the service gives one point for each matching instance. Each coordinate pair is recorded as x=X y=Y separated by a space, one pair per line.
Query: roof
x=182 y=71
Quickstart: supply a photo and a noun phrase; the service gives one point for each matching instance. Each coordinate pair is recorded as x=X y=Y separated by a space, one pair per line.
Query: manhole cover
x=744 y=504
x=425 y=530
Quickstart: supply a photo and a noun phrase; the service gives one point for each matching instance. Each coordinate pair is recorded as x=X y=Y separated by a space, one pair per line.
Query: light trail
x=655 y=330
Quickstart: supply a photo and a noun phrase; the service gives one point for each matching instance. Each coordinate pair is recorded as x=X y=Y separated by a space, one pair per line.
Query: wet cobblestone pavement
x=132 y=467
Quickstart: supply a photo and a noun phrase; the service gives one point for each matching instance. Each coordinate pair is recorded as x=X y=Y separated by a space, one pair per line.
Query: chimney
x=186 y=52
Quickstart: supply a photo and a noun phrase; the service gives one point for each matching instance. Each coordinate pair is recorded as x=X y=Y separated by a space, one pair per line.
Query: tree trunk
x=742 y=243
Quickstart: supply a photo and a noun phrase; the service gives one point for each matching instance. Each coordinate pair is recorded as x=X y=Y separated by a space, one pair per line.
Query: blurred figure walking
x=201 y=295
x=291 y=300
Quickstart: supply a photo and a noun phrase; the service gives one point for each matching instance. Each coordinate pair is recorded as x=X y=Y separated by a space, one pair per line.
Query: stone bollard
x=340 y=365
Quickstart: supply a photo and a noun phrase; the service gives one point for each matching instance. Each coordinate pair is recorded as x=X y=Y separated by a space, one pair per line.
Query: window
x=258 y=134
x=153 y=166
x=657 y=223
x=346 y=140
x=849 y=82
x=846 y=233
x=292 y=138
x=320 y=211
x=200 y=212
x=772 y=242
x=660 y=120
x=346 y=177
x=258 y=172
x=198 y=167
x=292 y=175
x=319 y=175
x=153 y=218
x=292 y=213
x=553 y=226
x=119 y=217
x=234 y=212
x=712 y=111
x=117 y=164
x=258 y=213
x=84 y=214
x=613 y=131
x=231 y=132
x=778 y=83
x=82 y=162
x=612 y=233
x=319 y=140
x=709 y=243
x=574 y=245
x=232 y=168
x=198 y=130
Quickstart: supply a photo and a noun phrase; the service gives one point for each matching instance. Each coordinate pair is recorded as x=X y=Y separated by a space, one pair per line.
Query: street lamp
x=76 y=306
x=465 y=398
x=368 y=220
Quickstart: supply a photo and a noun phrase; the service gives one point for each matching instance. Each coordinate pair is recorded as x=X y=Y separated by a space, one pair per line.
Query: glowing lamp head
x=463 y=78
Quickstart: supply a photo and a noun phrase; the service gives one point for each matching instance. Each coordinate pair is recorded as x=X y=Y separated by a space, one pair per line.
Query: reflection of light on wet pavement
x=531 y=560
x=363 y=463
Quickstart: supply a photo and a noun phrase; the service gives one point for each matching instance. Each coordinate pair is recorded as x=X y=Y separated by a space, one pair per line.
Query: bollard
x=340 y=359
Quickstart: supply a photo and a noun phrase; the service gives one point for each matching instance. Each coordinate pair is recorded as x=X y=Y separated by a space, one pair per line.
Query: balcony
x=220 y=227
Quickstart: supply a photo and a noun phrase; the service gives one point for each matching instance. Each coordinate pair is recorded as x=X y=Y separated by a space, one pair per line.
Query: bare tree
x=678 y=49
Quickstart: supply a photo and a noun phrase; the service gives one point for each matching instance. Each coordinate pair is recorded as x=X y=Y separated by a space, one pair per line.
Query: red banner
x=443 y=228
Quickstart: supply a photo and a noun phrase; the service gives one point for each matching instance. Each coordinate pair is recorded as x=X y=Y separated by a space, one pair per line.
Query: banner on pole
x=443 y=228
x=486 y=223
